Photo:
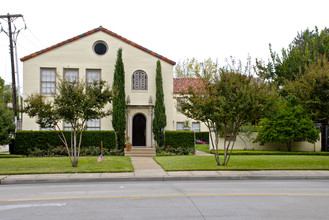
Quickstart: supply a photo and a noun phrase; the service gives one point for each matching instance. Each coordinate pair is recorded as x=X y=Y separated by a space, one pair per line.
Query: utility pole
x=10 y=18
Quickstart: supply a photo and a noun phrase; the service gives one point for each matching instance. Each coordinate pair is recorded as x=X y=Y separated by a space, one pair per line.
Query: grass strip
x=255 y=152
x=11 y=156
x=245 y=162
x=205 y=148
x=202 y=147
x=50 y=165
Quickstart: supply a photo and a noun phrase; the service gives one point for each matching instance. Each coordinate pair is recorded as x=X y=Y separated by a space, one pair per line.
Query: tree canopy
x=6 y=93
x=7 y=124
x=311 y=89
x=305 y=48
x=191 y=68
x=290 y=123
x=227 y=102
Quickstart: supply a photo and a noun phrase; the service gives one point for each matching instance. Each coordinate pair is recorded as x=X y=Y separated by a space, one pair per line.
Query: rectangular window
x=48 y=80
x=93 y=75
x=196 y=126
x=67 y=126
x=71 y=75
x=179 y=126
x=94 y=124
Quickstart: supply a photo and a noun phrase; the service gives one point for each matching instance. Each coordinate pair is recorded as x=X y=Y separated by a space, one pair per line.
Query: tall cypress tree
x=119 y=103
x=160 y=119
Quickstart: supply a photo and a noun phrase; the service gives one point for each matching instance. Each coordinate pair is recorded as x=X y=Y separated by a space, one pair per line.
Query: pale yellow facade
x=79 y=54
x=180 y=118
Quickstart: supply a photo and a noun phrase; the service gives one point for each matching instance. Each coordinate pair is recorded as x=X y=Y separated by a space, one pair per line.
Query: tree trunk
x=75 y=163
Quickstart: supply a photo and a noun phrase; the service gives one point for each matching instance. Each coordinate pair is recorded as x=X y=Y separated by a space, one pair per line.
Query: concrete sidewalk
x=147 y=169
x=163 y=176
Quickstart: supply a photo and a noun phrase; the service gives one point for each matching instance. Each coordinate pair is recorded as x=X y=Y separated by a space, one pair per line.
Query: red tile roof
x=94 y=31
x=181 y=85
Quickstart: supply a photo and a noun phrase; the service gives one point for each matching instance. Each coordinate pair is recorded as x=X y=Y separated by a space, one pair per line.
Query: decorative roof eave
x=94 y=31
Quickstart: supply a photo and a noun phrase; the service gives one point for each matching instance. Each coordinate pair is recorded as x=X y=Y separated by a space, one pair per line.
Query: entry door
x=139 y=130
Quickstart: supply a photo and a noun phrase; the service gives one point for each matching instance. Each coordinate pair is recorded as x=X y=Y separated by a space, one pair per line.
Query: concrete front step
x=140 y=152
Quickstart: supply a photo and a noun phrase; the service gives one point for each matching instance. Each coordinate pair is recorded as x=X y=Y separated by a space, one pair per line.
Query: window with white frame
x=94 y=124
x=67 y=126
x=71 y=75
x=196 y=126
x=93 y=75
x=139 y=80
x=48 y=80
x=179 y=126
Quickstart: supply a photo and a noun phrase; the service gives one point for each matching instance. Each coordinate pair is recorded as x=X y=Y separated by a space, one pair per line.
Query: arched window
x=139 y=80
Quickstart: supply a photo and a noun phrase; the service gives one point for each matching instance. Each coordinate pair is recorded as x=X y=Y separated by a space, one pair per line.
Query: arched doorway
x=139 y=130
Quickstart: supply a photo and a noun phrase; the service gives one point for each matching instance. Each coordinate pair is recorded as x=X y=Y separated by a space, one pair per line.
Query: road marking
x=8 y=207
x=163 y=196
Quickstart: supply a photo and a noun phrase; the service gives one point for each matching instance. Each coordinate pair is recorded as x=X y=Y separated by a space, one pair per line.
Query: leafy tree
x=227 y=102
x=191 y=68
x=75 y=103
x=160 y=119
x=6 y=93
x=7 y=124
x=119 y=103
x=307 y=47
x=311 y=89
x=290 y=123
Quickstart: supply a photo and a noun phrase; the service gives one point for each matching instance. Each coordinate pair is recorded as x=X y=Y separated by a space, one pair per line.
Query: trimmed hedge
x=179 y=142
x=25 y=141
x=202 y=135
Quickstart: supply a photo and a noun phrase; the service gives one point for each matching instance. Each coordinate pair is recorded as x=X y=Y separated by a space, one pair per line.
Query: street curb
x=8 y=181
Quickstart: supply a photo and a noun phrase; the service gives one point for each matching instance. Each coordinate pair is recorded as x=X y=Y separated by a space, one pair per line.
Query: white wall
x=240 y=145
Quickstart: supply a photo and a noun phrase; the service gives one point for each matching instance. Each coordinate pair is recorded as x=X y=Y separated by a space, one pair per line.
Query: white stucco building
x=92 y=55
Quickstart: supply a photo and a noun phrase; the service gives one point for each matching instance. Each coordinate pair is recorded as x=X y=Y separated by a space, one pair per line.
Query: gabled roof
x=181 y=85
x=94 y=31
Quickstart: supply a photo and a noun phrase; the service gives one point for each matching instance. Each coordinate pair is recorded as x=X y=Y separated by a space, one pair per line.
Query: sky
x=176 y=29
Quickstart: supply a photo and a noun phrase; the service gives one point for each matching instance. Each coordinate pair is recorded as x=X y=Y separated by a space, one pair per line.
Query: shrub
x=178 y=143
x=60 y=152
x=202 y=135
x=27 y=141
x=171 y=151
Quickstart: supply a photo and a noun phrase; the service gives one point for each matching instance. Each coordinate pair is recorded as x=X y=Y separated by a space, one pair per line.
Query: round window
x=100 y=48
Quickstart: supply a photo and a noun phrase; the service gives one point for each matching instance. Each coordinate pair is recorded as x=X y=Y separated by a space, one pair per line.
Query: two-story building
x=91 y=56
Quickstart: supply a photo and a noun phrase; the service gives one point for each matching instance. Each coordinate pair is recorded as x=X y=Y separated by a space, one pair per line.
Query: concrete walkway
x=201 y=153
x=147 y=167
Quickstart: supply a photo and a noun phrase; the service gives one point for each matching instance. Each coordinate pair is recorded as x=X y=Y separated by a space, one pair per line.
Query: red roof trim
x=94 y=31
x=181 y=85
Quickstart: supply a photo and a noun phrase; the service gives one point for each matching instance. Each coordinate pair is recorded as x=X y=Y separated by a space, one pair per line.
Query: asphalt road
x=221 y=199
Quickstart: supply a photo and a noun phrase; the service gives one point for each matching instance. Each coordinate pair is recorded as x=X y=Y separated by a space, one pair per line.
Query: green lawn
x=205 y=148
x=63 y=165
x=202 y=147
x=245 y=162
